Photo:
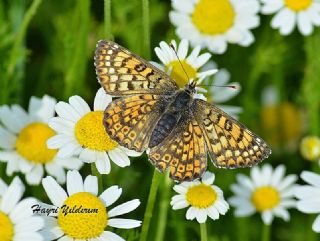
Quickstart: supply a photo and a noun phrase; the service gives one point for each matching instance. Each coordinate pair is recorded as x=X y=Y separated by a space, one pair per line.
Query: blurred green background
x=47 y=47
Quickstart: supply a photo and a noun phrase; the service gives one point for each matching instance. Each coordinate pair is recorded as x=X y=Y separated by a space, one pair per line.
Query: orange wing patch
x=183 y=152
x=130 y=121
x=230 y=144
x=121 y=72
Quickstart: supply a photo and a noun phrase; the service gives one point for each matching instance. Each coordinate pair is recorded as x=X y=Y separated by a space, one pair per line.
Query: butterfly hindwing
x=130 y=120
x=122 y=73
x=183 y=151
x=229 y=143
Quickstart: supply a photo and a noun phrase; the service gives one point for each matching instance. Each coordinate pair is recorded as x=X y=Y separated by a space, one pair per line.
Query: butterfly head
x=190 y=88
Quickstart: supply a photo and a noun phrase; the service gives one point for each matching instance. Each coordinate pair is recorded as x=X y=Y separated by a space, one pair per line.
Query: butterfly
x=178 y=131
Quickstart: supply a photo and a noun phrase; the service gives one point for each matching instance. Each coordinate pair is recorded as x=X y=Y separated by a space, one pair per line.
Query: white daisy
x=23 y=138
x=220 y=95
x=204 y=199
x=192 y=64
x=84 y=216
x=289 y=13
x=213 y=24
x=268 y=192
x=17 y=221
x=80 y=132
x=309 y=197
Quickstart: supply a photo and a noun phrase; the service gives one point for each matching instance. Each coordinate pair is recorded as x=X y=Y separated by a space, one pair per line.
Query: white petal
x=311 y=178
x=185 y=6
x=22 y=210
x=103 y=166
x=57 y=171
x=7 y=139
x=191 y=213
x=183 y=49
x=123 y=223
x=119 y=158
x=70 y=163
x=208 y=178
x=304 y=23
x=316 y=225
x=277 y=175
x=217 y=45
x=272 y=6
x=282 y=213
x=66 y=238
x=59 y=140
x=35 y=175
x=124 y=208
x=266 y=174
x=107 y=235
x=45 y=110
x=55 y=193
x=201 y=215
x=287 y=181
x=11 y=197
x=10 y=120
x=91 y=185
x=307 y=192
x=179 y=204
x=285 y=20
x=213 y=213
x=245 y=181
x=74 y=182
x=79 y=105
x=31 y=224
x=110 y=195
x=102 y=100
x=67 y=112
x=87 y=155
x=180 y=189
x=61 y=125
x=309 y=206
x=34 y=236
x=267 y=217
x=69 y=150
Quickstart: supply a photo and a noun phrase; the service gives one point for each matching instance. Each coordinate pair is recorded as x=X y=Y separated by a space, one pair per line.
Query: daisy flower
x=221 y=95
x=213 y=24
x=268 y=192
x=80 y=132
x=204 y=199
x=191 y=63
x=289 y=13
x=23 y=138
x=309 y=196
x=310 y=148
x=17 y=221
x=84 y=216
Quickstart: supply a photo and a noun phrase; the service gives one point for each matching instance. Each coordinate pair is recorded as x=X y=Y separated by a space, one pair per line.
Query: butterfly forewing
x=229 y=143
x=182 y=152
x=121 y=72
x=130 y=120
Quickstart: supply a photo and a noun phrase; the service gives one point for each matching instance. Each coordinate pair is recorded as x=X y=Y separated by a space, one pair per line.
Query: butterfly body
x=179 y=131
x=180 y=103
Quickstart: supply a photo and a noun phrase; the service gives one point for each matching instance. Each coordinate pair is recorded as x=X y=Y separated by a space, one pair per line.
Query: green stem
x=15 y=52
x=163 y=208
x=311 y=82
x=146 y=29
x=266 y=230
x=75 y=71
x=107 y=20
x=203 y=232
x=95 y=172
x=150 y=205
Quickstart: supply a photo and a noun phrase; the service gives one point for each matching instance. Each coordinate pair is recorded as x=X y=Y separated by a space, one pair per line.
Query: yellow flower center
x=32 y=143
x=213 y=16
x=83 y=216
x=298 y=5
x=201 y=196
x=6 y=228
x=178 y=74
x=265 y=198
x=91 y=134
x=310 y=148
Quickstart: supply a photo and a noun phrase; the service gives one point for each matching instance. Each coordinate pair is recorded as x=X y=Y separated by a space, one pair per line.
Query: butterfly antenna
x=175 y=52
x=223 y=86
